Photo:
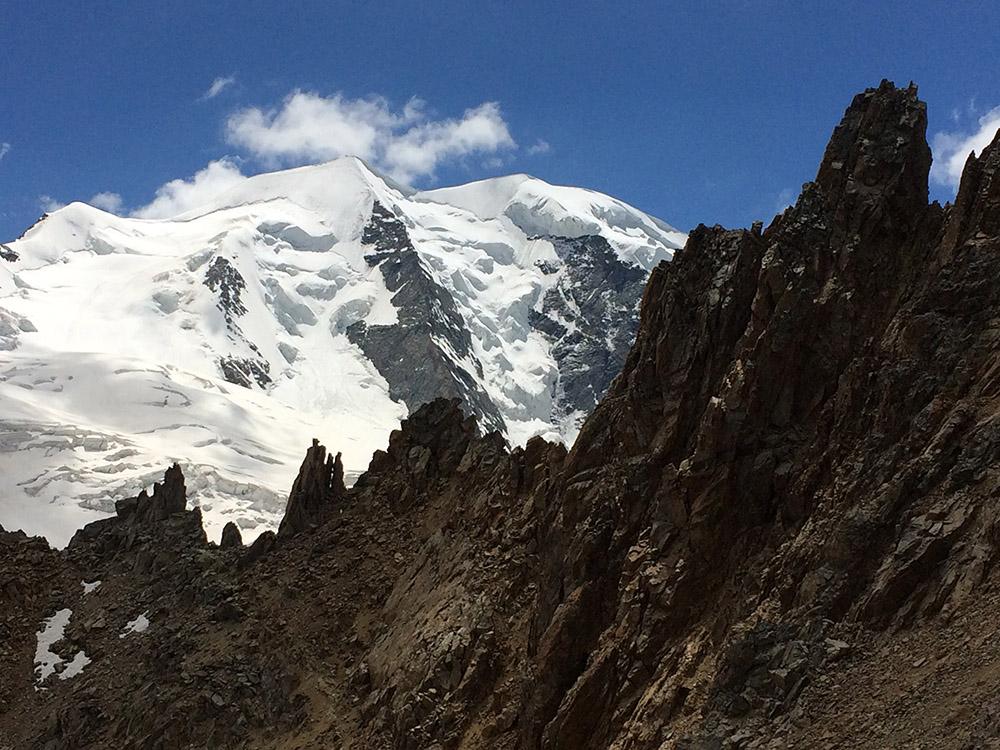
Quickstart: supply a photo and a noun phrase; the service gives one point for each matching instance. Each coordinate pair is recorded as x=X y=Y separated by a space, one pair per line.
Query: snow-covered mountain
x=322 y=301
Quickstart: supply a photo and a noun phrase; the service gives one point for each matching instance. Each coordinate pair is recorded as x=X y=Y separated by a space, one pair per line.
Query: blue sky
x=695 y=112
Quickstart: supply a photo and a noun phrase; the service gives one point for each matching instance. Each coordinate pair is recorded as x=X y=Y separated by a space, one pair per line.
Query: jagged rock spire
x=231 y=537
x=879 y=147
x=147 y=517
x=430 y=442
x=319 y=484
x=977 y=205
x=783 y=387
x=168 y=497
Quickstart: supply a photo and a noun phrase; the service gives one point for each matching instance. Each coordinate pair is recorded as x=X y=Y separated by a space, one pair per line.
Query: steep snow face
x=316 y=302
x=540 y=209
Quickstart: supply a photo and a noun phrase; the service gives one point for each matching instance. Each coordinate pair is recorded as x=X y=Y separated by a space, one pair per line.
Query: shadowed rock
x=260 y=547
x=319 y=484
x=231 y=537
x=168 y=497
x=425 y=353
x=146 y=521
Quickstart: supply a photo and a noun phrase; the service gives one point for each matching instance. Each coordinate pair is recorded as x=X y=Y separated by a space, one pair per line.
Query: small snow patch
x=89 y=587
x=139 y=625
x=47 y=662
x=75 y=666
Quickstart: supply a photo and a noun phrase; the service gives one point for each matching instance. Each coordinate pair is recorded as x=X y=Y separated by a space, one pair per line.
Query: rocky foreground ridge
x=779 y=528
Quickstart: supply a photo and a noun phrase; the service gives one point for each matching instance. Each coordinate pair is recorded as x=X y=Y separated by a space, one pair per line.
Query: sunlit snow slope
x=315 y=302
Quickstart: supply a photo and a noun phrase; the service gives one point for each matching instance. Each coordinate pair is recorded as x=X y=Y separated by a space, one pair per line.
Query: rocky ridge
x=777 y=530
x=428 y=330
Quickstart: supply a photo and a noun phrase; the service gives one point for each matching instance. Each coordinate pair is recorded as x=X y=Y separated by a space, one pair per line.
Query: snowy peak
x=487 y=198
x=336 y=191
x=323 y=301
x=540 y=209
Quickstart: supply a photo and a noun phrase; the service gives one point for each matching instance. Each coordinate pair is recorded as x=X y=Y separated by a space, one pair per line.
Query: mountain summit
x=324 y=301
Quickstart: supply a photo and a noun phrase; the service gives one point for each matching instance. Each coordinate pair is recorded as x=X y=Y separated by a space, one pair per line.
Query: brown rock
x=319 y=484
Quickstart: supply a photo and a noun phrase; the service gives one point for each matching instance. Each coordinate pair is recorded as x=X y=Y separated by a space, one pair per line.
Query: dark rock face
x=786 y=392
x=231 y=537
x=591 y=315
x=168 y=498
x=779 y=528
x=7 y=254
x=412 y=354
x=225 y=280
x=317 y=488
x=261 y=546
x=385 y=232
x=246 y=371
x=430 y=443
x=29 y=570
x=145 y=520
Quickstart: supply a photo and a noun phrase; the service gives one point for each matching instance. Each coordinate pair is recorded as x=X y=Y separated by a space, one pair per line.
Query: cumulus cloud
x=308 y=127
x=178 y=196
x=110 y=202
x=49 y=204
x=4 y=149
x=418 y=151
x=539 y=147
x=218 y=86
x=785 y=200
x=951 y=150
x=173 y=198
x=406 y=144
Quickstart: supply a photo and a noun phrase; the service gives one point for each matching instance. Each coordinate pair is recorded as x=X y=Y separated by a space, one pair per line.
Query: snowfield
x=122 y=340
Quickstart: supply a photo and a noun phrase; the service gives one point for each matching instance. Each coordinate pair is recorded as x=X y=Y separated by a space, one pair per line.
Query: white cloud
x=110 y=202
x=406 y=144
x=49 y=204
x=418 y=151
x=308 y=127
x=218 y=86
x=4 y=149
x=539 y=147
x=785 y=200
x=952 y=149
x=178 y=196
x=172 y=198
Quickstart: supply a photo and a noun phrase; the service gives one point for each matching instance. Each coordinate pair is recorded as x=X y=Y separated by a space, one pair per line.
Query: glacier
x=291 y=307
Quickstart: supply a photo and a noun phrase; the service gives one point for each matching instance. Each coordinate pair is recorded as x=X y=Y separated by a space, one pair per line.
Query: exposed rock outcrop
x=147 y=523
x=591 y=315
x=229 y=286
x=225 y=280
x=317 y=488
x=168 y=497
x=231 y=537
x=780 y=451
x=429 y=329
